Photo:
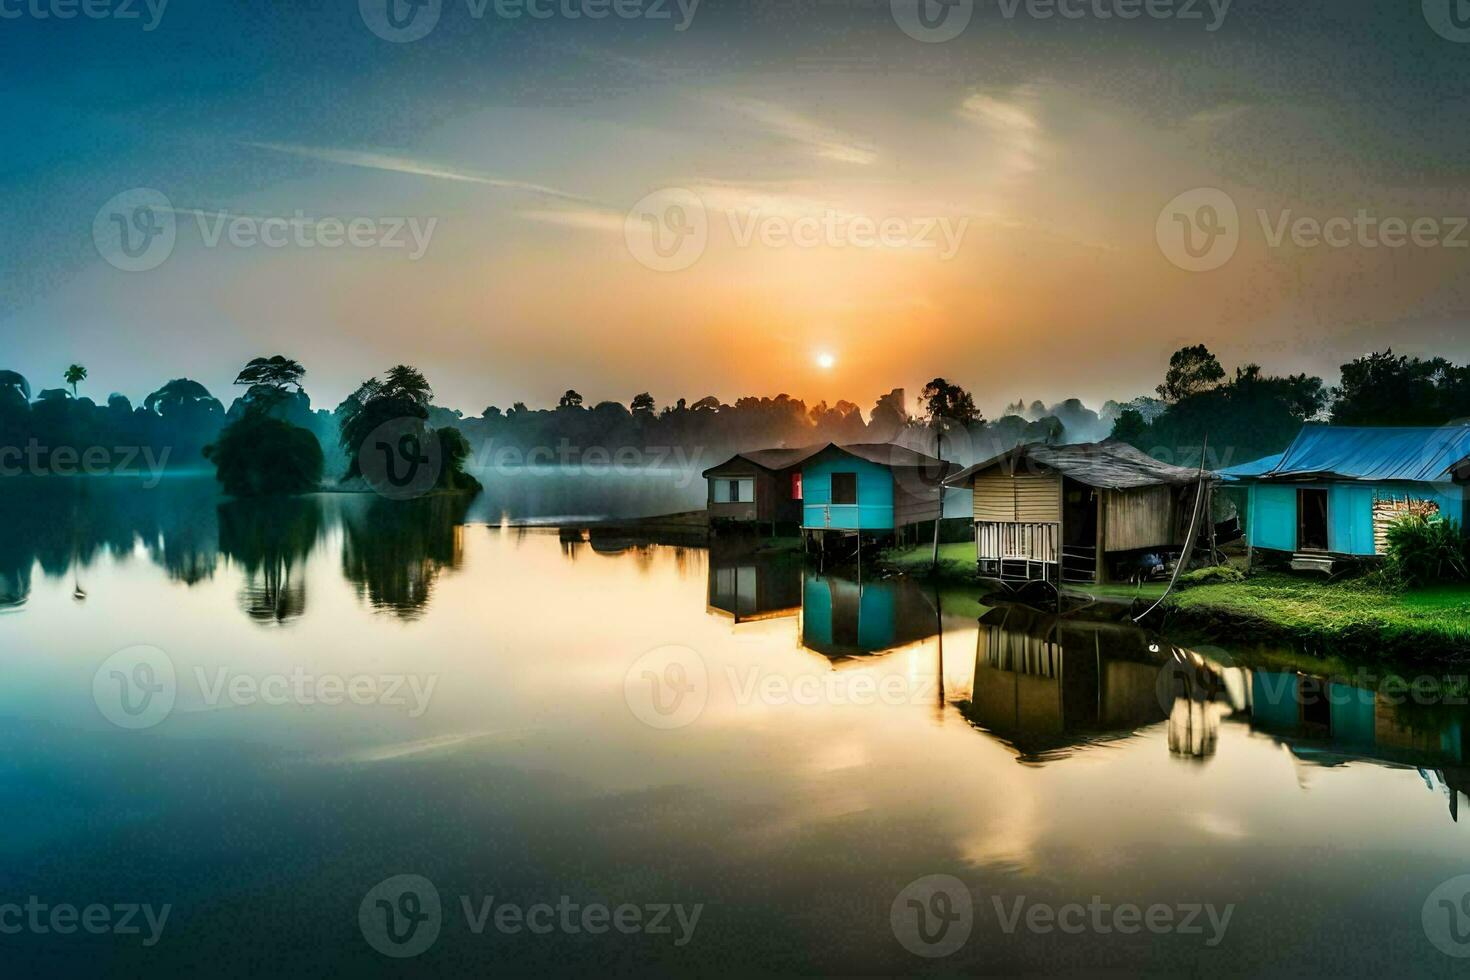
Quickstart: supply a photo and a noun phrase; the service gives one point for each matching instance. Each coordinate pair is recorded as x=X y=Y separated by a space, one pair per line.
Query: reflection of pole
x=939 y=450
x=939 y=622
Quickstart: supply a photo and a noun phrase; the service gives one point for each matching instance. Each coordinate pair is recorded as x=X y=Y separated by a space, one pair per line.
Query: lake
x=340 y=735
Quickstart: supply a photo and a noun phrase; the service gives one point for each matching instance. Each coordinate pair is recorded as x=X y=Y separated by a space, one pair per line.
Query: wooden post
x=1100 y=575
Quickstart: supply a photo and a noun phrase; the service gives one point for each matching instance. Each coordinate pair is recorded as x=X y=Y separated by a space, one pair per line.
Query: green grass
x=956 y=552
x=1353 y=615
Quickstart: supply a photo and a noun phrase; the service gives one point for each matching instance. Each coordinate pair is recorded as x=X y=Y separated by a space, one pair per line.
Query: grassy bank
x=1352 y=616
x=956 y=561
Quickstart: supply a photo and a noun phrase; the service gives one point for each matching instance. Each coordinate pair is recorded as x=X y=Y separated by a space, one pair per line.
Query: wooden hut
x=874 y=489
x=758 y=487
x=1079 y=513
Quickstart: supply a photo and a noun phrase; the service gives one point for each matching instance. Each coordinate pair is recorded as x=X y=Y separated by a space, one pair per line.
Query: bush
x=258 y=456
x=1213 y=573
x=1426 y=551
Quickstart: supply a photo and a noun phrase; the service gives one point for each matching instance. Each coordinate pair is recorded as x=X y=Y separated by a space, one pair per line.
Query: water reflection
x=395 y=550
x=271 y=540
x=1044 y=685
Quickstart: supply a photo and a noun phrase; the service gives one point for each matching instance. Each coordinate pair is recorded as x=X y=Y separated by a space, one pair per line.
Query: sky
x=828 y=199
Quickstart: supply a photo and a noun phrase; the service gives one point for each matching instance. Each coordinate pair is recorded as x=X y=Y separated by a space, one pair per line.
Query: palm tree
x=74 y=374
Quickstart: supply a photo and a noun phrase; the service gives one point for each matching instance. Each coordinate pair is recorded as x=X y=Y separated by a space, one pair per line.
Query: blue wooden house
x=874 y=489
x=1335 y=491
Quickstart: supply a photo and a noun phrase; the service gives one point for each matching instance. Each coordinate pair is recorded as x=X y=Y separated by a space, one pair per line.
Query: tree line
x=271 y=438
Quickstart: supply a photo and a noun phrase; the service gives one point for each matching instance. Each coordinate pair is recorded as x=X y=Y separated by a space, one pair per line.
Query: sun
x=826 y=361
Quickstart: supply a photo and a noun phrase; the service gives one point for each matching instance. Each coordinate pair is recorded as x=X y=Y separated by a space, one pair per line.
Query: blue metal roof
x=1243 y=471
x=1422 y=455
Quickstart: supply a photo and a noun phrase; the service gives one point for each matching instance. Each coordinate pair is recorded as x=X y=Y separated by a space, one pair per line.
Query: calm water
x=549 y=720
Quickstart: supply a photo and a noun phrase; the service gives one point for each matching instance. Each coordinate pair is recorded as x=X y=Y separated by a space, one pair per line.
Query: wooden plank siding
x=1141 y=518
x=995 y=540
x=1028 y=498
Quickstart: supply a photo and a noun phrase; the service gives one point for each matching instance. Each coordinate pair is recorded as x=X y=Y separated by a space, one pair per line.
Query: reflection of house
x=761 y=486
x=752 y=587
x=1335 y=490
x=869 y=487
x=1043 y=684
x=1047 y=512
x=844 y=618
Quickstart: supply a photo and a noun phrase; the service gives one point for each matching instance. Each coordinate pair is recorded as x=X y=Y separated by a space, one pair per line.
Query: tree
x=1129 y=426
x=404 y=398
x=1191 y=370
x=889 y=416
x=570 y=400
x=258 y=454
x=947 y=406
x=12 y=379
x=642 y=404
x=180 y=394
x=1384 y=389
x=75 y=375
x=268 y=380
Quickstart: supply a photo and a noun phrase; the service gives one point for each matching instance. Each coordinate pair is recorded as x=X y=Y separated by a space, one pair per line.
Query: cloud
x=1015 y=134
x=823 y=141
x=594 y=219
x=407 y=165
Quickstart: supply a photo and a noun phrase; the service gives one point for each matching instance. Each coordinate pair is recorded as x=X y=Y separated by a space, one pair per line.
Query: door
x=1311 y=520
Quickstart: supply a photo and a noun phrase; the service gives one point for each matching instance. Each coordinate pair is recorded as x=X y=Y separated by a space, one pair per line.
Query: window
x=796 y=486
x=737 y=491
x=844 y=488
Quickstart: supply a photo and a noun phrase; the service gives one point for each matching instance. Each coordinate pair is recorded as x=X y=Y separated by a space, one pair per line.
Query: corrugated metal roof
x=1110 y=465
x=1255 y=467
x=772 y=459
x=1419 y=455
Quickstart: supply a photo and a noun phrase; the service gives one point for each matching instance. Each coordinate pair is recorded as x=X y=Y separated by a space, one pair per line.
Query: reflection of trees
x=66 y=523
x=270 y=539
x=394 y=550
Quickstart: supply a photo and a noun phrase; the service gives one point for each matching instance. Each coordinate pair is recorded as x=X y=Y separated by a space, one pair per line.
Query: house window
x=796 y=486
x=738 y=491
x=844 y=488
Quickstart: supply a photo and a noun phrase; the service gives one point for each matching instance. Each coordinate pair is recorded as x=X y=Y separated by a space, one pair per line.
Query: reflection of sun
x=825 y=361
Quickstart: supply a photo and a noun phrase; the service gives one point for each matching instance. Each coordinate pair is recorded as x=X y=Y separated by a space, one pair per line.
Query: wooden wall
x=1030 y=498
x=1141 y=518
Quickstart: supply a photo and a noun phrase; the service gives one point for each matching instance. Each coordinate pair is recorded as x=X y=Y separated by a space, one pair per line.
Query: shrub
x=259 y=456
x=1213 y=573
x=1425 y=551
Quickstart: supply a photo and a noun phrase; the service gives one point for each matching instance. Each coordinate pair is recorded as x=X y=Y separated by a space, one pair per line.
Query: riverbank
x=1353 y=617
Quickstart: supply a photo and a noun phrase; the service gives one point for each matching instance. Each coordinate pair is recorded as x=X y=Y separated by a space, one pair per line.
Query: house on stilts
x=866 y=491
x=1085 y=513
